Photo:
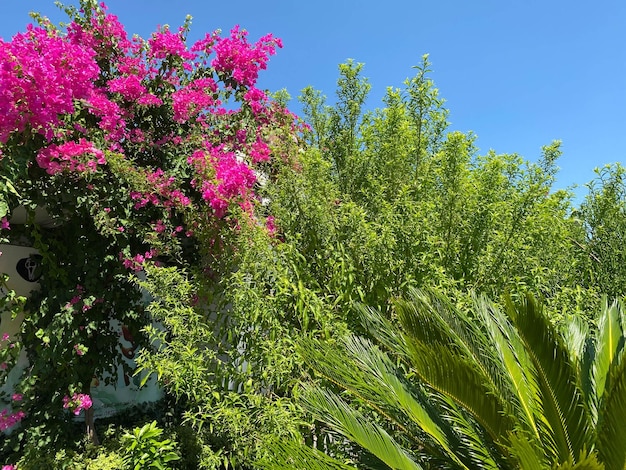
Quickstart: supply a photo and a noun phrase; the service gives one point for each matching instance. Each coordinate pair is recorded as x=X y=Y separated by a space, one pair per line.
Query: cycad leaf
x=563 y=404
x=515 y=364
x=476 y=445
x=575 y=331
x=382 y=374
x=578 y=337
x=384 y=331
x=292 y=455
x=608 y=338
x=430 y=318
x=584 y=462
x=527 y=455
x=456 y=377
x=363 y=369
x=612 y=420
x=332 y=410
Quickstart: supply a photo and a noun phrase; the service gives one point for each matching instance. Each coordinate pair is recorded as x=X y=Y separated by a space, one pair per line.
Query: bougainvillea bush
x=142 y=151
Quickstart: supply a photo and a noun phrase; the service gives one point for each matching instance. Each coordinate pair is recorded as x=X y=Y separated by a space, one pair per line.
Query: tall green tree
x=419 y=205
x=602 y=216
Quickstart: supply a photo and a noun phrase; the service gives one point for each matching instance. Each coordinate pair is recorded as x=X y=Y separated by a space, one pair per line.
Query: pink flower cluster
x=256 y=100
x=136 y=262
x=78 y=402
x=110 y=114
x=197 y=96
x=78 y=156
x=233 y=178
x=105 y=34
x=165 y=43
x=41 y=76
x=235 y=56
x=52 y=83
x=8 y=420
x=259 y=151
x=164 y=192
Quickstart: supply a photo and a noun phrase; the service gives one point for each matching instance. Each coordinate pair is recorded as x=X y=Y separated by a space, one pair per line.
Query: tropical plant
x=144 y=449
x=497 y=388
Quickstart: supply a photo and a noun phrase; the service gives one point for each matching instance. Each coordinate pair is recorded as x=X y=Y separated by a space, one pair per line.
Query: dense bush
x=142 y=152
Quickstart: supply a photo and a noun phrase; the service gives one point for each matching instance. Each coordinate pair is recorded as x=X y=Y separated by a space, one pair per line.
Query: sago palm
x=493 y=389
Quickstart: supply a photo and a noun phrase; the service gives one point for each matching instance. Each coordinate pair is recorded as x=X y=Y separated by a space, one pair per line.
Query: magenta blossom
x=8 y=420
x=81 y=156
x=41 y=77
x=78 y=402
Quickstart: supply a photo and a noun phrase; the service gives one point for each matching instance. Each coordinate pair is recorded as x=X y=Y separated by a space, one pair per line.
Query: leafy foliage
x=143 y=448
x=501 y=389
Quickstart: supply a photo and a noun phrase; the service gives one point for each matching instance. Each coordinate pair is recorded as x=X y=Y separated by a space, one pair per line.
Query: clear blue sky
x=519 y=73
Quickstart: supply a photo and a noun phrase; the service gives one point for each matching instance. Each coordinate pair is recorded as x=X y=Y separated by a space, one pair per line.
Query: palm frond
x=384 y=331
x=428 y=317
x=453 y=375
x=525 y=454
x=579 y=340
x=515 y=364
x=382 y=373
x=609 y=334
x=293 y=455
x=368 y=373
x=575 y=331
x=563 y=404
x=586 y=461
x=612 y=420
x=332 y=410
x=480 y=451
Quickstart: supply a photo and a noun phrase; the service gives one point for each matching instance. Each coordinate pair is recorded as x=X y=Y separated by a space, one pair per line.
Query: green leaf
x=456 y=377
x=563 y=404
x=4 y=208
x=606 y=344
x=292 y=455
x=514 y=363
x=334 y=411
x=612 y=416
x=361 y=368
x=527 y=454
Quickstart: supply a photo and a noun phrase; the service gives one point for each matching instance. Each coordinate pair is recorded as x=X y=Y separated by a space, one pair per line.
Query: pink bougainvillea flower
x=8 y=420
x=78 y=156
x=78 y=402
x=195 y=97
x=235 y=56
x=41 y=77
x=164 y=43
x=270 y=225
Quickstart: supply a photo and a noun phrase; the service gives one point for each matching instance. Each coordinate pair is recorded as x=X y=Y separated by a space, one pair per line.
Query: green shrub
x=143 y=449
